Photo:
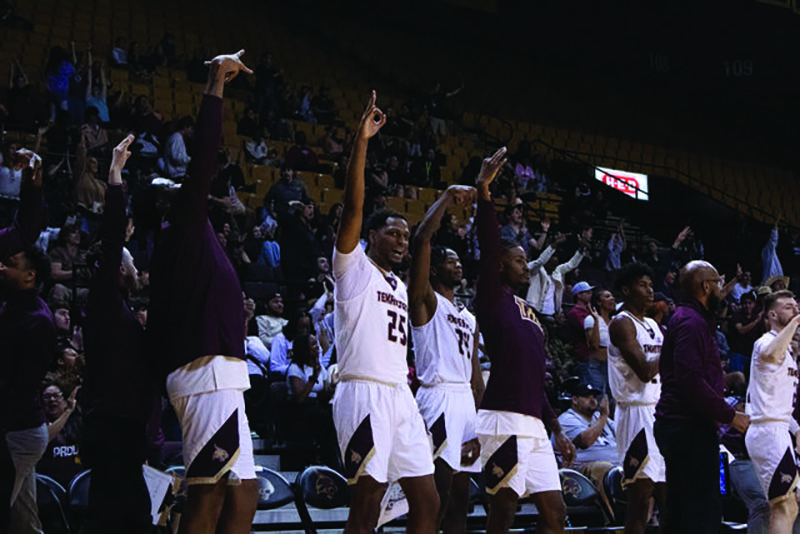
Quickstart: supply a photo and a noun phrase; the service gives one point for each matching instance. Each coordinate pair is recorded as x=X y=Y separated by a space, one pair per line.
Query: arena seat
x=583 y=500
x=52 y=500
x=322 y=488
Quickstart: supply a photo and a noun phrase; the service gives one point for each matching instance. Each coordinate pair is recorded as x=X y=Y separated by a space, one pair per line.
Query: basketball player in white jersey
x=381 y=434
x=634 y=381
x=446 y=361
x=771 y=397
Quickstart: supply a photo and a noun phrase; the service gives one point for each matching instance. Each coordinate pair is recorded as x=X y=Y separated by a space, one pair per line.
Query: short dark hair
x=378 y=219
x=772 y=299
x=39 y=262
x=630 y=273
x=185 y=122
x=91 y=111
x=438 y=255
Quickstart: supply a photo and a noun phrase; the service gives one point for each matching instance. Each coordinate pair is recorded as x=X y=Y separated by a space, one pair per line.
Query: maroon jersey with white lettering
x=512 y=334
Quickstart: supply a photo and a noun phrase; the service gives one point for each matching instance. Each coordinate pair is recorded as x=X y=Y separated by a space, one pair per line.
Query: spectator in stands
x=249 y=123
x=89 y=190
x=742 y=286
x=76 y=95
x=176 y=158
x=310 y=389
x=285 y=190
x=425 y=172
x=331 y=142
x=777 y=283
x=576 y=317
x=22 y=105
x=97 y=93
x=594 y=433
x=116 y=411
x=661 y=260
x=299 y=246
x=301 y=156
x=165 y=53
x=61 y=460
x=255 y=349
x=660 y=311
x=742 y=474
x=58 y=71
x=547 y=280
x=435 y=105
x=144 y=118
x=516 y=230
x=92 y=134
x=769 y=257
x=60 y=311
x=301 y=324
x=748 y=326
x=323 y=107
x=68 y=364
x=595 y=326
x=256 y=147
x=326 y=233
x=119 y=56
x=64 y=252
x=271 y=323
x=10 y=180
x=616 y=245
x=138 y=64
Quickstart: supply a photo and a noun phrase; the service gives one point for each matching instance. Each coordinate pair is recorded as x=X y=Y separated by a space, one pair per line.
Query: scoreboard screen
x=630 y=183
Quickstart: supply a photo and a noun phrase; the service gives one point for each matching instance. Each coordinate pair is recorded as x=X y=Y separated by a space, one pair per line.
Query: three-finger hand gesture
x=228 y=65
x=489 y=169
x=372 y=120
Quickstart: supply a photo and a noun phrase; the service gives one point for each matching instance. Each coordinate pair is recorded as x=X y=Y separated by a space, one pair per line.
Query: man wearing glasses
x=692 y=405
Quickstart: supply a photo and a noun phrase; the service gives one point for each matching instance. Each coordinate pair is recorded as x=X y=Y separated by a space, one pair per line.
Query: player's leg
x=365 y=505
x=502 y=508
x=203 y=507
x=423 y=504
x=552 y=511
x=782 y=514
x=239 y=508
x=455 y=516
x=638 y=510
x=443 y=477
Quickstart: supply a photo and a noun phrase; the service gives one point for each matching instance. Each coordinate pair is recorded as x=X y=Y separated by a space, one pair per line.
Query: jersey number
x=397 y=322
x=463 y=343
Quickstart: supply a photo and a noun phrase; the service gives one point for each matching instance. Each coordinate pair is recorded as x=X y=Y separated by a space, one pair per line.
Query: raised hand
x=228 y=65
x=545 y=224
x=461 y=195
x=31 y=165
x=71 y=400
x=372 y=119
x=120 y=156
x=489 y=169
x=604 y=408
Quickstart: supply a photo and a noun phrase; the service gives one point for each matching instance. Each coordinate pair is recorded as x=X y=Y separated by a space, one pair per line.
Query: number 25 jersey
x=443 y=346
x=370 y=320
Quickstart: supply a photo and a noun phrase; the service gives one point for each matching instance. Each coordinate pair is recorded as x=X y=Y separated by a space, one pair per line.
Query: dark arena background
x=649 y=120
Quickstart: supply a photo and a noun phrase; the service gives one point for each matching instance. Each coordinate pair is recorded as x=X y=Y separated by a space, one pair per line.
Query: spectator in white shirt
x=176 y=159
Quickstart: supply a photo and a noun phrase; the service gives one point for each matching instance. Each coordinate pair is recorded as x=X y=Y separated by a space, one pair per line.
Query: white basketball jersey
x=443 y=346
x=370 y=320
x=625 y=385
x=772 y=390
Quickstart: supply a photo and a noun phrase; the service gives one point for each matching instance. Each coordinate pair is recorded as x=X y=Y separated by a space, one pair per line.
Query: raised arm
x=88 y=81
x=422 y=299
x=623 y=336
x=29 y=223
x=349 y=231
x=191 y=205
x=103 y=85
x=488 y=228
x=775 y=351
x=476 y=380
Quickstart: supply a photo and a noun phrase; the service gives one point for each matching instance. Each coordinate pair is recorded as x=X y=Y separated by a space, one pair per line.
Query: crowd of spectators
x=282 y=249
